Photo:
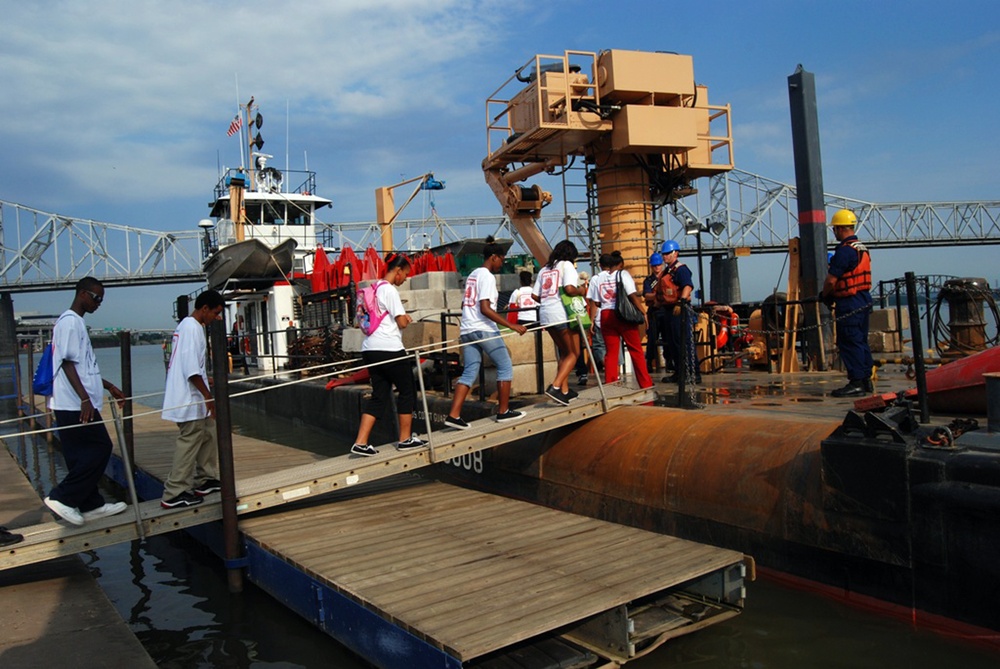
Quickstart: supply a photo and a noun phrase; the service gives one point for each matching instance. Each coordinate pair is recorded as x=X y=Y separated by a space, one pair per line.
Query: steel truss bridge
x=41 y=251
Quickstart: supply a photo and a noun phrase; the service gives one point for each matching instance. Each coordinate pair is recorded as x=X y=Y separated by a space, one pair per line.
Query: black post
x=811 y=203
x=444 y=354
x=918 y=346
x=227 y=474
x=125 y=343
x=701 y=273
x=540 y=363
x=927 y=301
x=30 y=409
x=681 y=371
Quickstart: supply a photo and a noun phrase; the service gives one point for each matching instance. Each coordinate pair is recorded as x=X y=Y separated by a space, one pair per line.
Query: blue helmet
x=656 y=259
x=669 y=246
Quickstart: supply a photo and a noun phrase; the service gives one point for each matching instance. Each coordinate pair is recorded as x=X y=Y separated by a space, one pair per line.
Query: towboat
x=259 y=248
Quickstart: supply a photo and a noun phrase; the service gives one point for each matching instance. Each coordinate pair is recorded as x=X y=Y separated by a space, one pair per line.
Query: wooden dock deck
x=472 y=573
x=430 y=570
x=55 y=614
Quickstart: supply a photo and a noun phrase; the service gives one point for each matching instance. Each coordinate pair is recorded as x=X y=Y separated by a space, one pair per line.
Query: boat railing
x=305 y=180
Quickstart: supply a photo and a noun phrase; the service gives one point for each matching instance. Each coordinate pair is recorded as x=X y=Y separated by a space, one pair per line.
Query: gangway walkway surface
x=311 y=478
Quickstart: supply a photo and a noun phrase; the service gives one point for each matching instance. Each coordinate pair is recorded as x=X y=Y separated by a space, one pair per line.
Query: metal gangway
x=53 y=539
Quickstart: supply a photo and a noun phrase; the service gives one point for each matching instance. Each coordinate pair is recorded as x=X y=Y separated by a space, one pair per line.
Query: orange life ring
x=726 y=323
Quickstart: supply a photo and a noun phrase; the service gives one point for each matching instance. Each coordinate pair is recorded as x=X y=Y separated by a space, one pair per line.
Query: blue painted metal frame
x=364 y=632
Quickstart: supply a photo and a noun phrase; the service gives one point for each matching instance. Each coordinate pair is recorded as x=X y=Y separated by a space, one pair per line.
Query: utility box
x=642 y=77
x=647 y=129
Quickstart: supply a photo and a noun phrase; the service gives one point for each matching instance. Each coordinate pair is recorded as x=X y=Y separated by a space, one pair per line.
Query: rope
x=252 y=391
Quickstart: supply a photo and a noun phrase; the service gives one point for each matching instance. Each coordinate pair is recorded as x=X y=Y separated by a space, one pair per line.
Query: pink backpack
x=367 y=315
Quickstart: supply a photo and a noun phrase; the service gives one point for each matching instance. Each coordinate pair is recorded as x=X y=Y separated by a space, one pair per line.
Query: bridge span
x=730 y=213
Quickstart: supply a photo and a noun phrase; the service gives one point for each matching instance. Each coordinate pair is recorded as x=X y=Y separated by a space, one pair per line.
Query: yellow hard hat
x=844 y=217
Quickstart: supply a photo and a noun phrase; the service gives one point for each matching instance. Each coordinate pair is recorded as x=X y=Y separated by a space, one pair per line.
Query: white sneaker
x=104 y=511
x=67 y=513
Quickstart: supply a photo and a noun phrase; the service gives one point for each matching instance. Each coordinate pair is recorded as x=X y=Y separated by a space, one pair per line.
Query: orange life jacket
x=667 y=291
x=859 y=277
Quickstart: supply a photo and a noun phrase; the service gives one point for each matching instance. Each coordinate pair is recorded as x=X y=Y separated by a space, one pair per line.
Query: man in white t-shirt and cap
x=188 y=402
x=480 y=333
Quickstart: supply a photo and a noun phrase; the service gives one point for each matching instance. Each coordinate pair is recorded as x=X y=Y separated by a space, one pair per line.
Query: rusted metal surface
x=748 y=471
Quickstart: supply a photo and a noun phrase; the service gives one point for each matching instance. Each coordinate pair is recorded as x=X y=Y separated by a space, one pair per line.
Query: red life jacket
x=859 y=277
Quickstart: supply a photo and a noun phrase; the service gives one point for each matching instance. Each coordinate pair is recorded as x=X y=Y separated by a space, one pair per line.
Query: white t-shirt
x=606 y=291
x=481 y=285
x=387 y=336
x=547 y=285
x=182 y=402
x=526 y=306
x=71 y=343
x=594 y=296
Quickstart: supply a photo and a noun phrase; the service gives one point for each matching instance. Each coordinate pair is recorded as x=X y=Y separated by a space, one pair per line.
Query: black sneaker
x=366 y=450
x=8 y=538
x=184 y=499
x=557 y=395
x=208 y=487
x=582 y=380
x=509 y=415
x=852 y=389
x=411 y=443
x=456 y=423
x=571 y=394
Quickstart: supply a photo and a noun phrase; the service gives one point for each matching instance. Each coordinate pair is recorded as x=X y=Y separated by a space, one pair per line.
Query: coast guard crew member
x=848 y=285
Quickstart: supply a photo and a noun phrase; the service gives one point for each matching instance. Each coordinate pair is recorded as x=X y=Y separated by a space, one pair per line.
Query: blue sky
x=117 y=111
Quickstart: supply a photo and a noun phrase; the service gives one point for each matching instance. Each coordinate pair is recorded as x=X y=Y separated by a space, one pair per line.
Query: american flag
x=235 y=126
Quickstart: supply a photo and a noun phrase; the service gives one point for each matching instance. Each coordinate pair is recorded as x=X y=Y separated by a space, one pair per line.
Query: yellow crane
x=638 y=119
x=385 y=203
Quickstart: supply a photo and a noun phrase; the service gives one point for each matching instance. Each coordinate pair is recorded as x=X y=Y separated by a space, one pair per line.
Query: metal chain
x=692 y=311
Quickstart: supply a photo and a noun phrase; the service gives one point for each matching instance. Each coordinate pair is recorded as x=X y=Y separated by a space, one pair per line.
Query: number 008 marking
x=472 y=462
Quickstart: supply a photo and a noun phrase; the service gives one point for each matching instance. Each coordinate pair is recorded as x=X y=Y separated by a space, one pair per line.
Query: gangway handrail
x=253 y=391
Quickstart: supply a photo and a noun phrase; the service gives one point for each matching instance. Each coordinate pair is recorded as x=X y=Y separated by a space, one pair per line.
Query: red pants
x=615 y=332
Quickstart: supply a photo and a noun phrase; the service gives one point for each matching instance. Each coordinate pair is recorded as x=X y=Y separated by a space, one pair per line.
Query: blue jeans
x=474 y=344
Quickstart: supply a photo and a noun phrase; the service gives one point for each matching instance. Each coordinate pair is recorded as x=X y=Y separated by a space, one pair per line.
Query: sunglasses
x=97 y=298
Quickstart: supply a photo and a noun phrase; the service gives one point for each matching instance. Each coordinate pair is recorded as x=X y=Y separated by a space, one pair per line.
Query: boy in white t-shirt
x=479 y=333
x=76 y=402
x=188 y=402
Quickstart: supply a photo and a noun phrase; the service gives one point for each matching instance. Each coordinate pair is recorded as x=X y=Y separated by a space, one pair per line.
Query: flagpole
x=237 y=115
x=251 y=163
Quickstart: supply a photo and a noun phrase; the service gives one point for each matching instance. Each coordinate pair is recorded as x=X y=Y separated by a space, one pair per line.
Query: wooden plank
x=496 y=582
x=789 y=361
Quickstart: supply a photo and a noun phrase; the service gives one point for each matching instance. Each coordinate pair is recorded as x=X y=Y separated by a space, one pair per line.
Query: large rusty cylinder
x=760 y=474
x=625 y=215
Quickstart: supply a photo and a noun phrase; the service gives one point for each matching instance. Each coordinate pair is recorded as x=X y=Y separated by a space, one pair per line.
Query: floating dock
x=412 y=573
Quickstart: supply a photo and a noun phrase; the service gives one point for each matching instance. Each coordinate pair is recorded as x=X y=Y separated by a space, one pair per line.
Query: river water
x=172 y=592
